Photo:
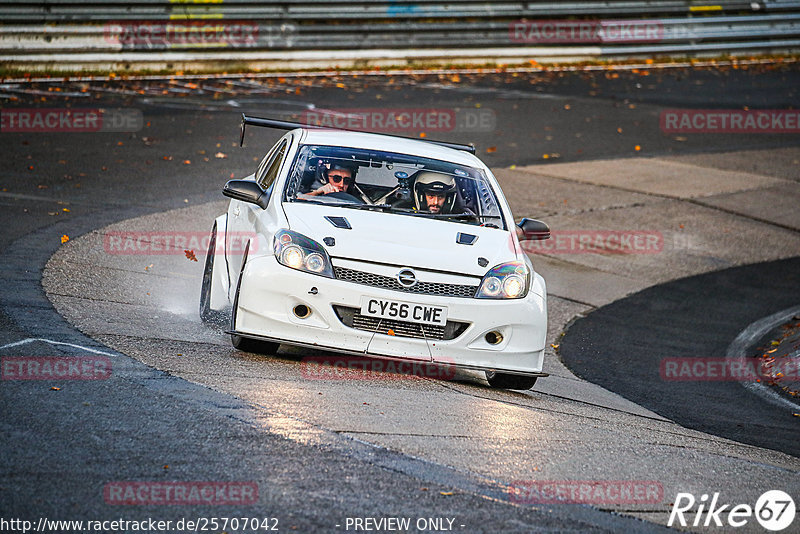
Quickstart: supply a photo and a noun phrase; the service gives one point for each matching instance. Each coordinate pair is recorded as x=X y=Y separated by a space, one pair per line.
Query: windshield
x=396 y=183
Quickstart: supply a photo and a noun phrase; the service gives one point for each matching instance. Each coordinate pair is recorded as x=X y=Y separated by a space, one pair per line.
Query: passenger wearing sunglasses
x=340 y=178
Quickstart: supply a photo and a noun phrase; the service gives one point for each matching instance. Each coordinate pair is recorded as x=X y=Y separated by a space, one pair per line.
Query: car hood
x=403 y=240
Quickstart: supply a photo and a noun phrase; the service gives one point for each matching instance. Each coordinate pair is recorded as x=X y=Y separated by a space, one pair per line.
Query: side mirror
x=533 y=230
x=246 y=191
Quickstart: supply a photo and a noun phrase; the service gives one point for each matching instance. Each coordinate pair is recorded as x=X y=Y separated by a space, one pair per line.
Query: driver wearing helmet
x=339 y=179
x=435 y=192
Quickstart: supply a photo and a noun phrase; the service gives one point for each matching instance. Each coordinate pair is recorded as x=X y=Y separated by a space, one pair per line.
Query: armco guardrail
x=119 y=34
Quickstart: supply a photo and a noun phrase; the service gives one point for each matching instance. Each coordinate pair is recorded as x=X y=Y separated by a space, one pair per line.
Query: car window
x=268 y=170
x=390 y=182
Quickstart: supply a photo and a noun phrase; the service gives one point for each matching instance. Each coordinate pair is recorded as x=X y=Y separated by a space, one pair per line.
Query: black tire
x=208 y=315
x=247 y=344
x=506 y=381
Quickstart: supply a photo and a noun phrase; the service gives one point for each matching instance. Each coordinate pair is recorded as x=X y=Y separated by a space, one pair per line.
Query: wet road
x=321 y=451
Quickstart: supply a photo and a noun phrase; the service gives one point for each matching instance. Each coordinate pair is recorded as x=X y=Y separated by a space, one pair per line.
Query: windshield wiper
x=460 y=215
x=298 y=199
x=379 y=207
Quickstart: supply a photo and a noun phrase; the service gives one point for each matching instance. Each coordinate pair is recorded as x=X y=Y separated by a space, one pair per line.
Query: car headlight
x=302 y=253
x=505 y=281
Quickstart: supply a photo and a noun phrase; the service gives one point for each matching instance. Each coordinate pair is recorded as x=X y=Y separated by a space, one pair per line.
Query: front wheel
x=242 y=343
x=507 y=381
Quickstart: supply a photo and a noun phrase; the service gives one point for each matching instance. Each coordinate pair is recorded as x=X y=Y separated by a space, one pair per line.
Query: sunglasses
x=336 y=178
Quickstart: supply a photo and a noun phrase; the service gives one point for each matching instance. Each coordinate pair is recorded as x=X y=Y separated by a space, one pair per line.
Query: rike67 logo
x=774 y=510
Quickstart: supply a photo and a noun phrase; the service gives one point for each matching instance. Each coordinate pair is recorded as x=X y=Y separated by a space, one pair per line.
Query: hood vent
x=339 y=222
x=465 y=239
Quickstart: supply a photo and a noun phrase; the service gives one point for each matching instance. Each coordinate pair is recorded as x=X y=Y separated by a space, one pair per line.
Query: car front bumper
x=270 y=292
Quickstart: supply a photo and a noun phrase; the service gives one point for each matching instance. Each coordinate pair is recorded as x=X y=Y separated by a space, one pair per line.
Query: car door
x=243 y=216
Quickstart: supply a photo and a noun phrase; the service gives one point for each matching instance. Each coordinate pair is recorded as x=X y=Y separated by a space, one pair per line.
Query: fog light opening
x=494 y=337
x=302 y=311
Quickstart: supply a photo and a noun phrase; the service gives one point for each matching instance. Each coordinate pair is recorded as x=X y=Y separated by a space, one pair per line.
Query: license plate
x=404 y=311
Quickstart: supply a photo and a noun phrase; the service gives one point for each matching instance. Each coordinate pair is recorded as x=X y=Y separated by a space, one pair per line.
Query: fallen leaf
x=220 y=155
x=190 y=255
x=187 y=162
x=55 y=389
x=446 y=493
x=64 y=238
x=491 y=149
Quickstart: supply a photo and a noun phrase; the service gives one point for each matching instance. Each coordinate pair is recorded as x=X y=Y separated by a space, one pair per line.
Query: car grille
x=352 y=318
x=387 y=282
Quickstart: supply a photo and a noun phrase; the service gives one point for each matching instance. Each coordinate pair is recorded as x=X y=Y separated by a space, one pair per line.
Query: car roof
x=387 y=143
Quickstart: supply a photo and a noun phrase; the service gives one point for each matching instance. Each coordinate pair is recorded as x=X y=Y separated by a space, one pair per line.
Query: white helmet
x=435 y=183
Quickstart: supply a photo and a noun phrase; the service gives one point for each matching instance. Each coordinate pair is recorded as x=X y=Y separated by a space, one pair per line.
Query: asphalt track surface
x=652 y=326
x=62 y=446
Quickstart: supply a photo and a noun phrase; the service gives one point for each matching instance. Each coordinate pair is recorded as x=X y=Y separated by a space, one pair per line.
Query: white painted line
x=50 y=341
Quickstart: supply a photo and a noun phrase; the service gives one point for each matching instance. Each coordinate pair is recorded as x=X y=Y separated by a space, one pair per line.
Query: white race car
x=380 y=246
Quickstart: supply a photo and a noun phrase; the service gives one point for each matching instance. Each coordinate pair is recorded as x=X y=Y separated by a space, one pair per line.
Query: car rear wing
x=288 y=125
